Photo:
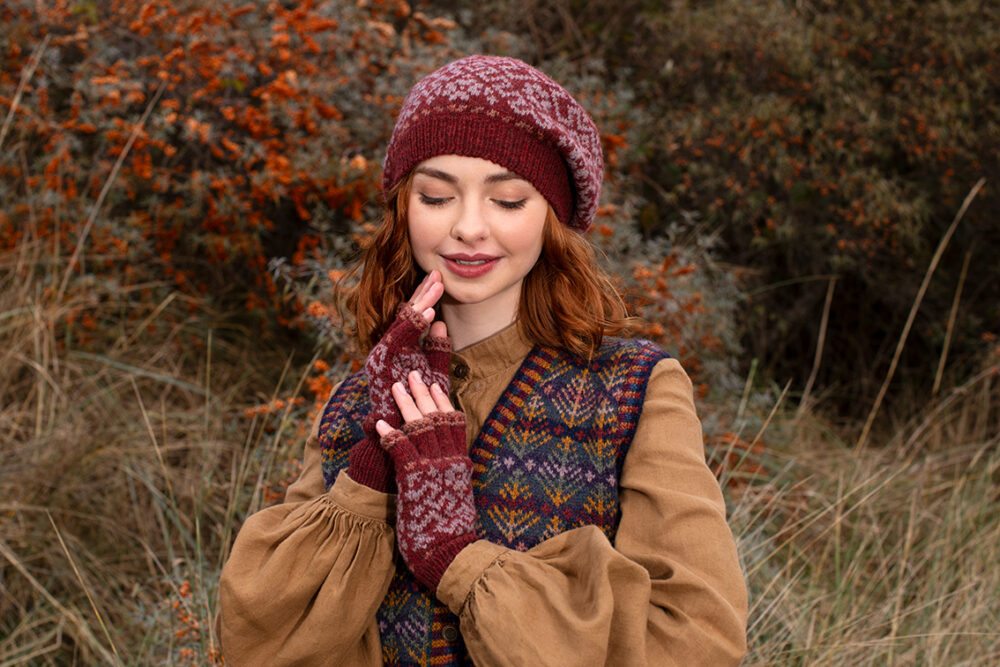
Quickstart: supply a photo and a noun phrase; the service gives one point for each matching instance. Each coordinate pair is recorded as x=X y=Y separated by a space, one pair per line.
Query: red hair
x=567 y=300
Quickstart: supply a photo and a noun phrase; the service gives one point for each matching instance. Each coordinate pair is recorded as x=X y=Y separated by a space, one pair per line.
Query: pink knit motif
x=396 y=354
x=483 y=91
x=391 y=360
x=435 y=506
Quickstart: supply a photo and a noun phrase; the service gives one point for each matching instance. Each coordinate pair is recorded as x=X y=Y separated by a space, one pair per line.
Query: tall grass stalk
x=883 y=556
x=137 y=449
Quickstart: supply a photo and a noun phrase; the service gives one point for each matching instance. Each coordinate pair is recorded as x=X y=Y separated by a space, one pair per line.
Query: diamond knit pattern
x=508 y=112
x=547 y=460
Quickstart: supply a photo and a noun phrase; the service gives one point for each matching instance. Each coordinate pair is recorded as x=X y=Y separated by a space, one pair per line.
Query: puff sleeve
x=668 y=591
x=305 y=578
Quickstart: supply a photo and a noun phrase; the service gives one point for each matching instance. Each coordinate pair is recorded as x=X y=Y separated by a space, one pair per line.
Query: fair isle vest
x=547 y=460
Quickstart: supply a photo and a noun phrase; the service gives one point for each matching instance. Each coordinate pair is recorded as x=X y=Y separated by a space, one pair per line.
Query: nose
x=470 y=225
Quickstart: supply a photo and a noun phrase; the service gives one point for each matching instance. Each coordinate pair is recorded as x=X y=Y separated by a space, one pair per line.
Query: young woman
x=539 y=496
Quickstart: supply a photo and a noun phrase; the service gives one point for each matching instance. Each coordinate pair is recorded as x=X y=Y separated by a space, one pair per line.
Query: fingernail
x=417 y=374
x=436 y=387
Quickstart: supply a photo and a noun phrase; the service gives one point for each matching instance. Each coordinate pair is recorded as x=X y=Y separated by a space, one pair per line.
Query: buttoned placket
x=459 y=378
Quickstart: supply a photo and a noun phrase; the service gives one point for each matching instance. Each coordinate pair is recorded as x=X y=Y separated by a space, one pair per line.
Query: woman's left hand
x=436 y=507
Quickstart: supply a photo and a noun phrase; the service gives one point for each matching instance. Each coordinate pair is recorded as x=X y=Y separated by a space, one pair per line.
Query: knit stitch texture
x=503 y=110
x=396 y=354
x=547 y=460
x=435 y=506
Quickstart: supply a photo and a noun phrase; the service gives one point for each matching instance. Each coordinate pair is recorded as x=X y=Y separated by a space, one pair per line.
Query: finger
x=408 y=325
x=439 y=330
x=421 y=396
x=396 y=444
x=441 y=400
x=437 y=349
x=456 y=431
x=429 y=297
x=424 y=436
x=420 y=290
x=405 y=403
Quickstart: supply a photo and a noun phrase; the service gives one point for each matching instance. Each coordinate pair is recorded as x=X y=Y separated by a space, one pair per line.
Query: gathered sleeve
x=669 y=591
x=305 y=578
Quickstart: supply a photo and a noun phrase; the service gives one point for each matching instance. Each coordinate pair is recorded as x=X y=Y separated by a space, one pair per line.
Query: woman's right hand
x=400 y=351
x=391 y=360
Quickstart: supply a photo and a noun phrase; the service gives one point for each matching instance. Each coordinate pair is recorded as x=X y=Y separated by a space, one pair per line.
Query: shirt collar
x=492 y=355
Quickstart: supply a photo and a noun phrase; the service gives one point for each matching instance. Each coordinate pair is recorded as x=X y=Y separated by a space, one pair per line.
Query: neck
x=470 y=323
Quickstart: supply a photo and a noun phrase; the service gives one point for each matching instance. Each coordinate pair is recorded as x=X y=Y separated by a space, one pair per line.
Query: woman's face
x=481 y=226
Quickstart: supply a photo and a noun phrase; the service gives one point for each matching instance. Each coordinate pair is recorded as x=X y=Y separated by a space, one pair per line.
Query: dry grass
x=883 y=556
x=122 y=469
x=126 y=469
x=125 y=473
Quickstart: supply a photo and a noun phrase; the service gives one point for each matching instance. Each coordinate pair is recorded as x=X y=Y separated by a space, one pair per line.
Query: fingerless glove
x=396 y=354
x=436 y=510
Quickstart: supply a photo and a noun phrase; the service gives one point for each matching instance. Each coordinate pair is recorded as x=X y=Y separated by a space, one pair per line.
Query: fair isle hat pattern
x=505 y=111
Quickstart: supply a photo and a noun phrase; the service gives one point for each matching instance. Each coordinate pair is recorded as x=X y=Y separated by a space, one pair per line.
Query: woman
x=539 y=496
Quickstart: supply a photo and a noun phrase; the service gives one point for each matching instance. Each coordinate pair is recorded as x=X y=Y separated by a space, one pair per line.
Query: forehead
x=458 y=168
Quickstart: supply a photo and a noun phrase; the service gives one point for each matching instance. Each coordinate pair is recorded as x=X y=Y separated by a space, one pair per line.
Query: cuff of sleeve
x=362 y=500
x=463 y=573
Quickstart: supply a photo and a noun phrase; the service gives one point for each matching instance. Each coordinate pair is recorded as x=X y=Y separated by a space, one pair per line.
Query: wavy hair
x=567 y=300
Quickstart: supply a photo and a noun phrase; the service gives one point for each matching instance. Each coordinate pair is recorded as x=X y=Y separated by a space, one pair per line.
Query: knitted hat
x=505 y=111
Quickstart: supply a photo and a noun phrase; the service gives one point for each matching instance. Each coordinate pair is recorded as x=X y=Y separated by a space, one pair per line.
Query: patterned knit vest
x=547 y=460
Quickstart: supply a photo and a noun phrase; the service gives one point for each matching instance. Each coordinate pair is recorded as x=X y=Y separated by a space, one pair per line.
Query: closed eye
x=433 y=201
x=511 y=205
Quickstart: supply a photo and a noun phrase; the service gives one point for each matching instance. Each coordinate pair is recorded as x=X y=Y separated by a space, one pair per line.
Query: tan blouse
x=305 y=578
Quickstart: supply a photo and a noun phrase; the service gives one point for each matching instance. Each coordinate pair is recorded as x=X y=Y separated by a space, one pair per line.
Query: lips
x=470 y=266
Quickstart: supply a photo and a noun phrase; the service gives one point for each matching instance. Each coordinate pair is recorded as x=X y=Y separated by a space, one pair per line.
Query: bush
x=816 y=140
x=262 y=121
x=180 y=183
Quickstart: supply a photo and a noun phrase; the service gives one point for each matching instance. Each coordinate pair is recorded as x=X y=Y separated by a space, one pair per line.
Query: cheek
x=531 y=237
x=422 y=243
x=533 y=250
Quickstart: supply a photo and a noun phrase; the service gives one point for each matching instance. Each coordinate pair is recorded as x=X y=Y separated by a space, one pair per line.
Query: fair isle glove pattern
x=391 y=360
x=436 y=511
x=396 y=354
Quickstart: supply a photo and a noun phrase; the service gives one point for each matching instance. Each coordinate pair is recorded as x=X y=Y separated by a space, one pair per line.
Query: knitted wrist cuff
x=369 y=465
x=430 y=569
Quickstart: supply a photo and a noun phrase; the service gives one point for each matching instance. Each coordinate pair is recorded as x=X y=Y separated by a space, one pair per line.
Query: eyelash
x=441 y=201
x=433 y=201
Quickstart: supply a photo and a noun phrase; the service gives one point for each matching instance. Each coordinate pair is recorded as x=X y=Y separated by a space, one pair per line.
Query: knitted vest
x=547 y=460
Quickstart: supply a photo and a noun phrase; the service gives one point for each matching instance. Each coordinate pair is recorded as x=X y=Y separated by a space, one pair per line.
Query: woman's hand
x=436 y=508
x=400 y=351
x=419 y=402
x=396 y=354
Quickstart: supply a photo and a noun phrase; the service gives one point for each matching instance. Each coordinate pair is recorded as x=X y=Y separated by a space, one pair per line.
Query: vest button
x=450 y=633
x=461 y=371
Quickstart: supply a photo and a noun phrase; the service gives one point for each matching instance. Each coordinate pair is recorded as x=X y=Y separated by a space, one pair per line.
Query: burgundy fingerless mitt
x=436 y=510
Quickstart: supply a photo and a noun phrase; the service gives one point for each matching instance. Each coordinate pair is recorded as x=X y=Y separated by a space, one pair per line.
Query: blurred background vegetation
x=801 y=200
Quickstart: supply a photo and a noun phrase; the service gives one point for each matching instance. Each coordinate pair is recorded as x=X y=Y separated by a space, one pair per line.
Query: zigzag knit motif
x=547 y=460
x=446 y=483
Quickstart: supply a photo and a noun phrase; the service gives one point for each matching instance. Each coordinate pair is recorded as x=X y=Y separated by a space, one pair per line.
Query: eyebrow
x=451 y=178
